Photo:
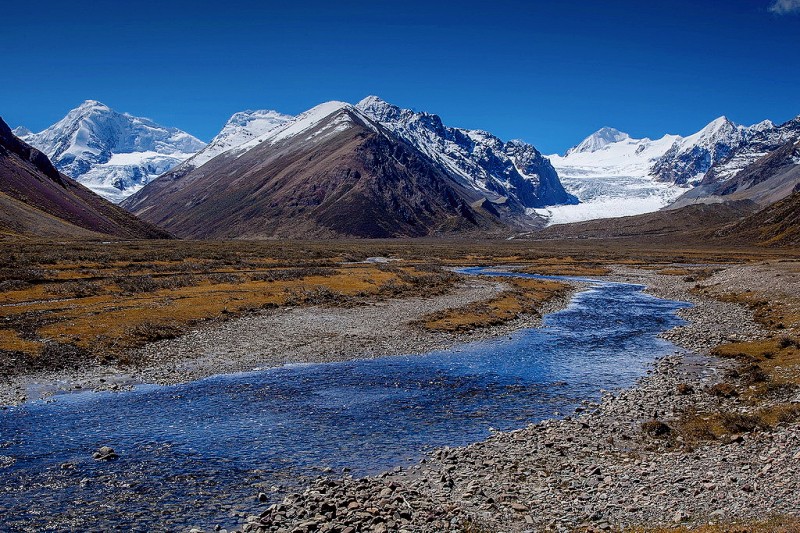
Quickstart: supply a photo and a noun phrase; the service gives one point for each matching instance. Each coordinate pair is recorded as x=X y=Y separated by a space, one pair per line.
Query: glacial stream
x=197 y=454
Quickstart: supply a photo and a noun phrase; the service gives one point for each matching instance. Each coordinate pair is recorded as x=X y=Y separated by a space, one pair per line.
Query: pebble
x=596 y=470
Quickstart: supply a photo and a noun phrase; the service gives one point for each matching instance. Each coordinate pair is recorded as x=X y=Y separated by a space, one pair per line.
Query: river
x=198 y=454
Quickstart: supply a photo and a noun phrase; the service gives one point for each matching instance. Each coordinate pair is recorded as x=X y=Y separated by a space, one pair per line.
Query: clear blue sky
x=548 y=72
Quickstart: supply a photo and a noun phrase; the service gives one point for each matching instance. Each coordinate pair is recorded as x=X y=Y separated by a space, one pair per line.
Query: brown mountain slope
x=332 y=173
x=684 y=224
x=37 y=200
x=775 y=225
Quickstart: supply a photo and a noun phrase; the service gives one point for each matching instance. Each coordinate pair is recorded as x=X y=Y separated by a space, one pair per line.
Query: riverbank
x=620 y=463
x=288 y=335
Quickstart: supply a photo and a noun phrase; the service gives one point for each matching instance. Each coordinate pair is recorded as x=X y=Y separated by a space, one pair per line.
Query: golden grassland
x=526 y=297
x=75 y=303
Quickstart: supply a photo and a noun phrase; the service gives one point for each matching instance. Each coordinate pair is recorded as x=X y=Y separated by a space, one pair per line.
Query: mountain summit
x=112 y=153
x=372 y=170
x=514 y=169
x=597 y=141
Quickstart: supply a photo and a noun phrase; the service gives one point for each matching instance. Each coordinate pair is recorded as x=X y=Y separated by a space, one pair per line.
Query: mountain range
x=36 y=200
x=614 y=174
x=374 y=169
x=365 y=170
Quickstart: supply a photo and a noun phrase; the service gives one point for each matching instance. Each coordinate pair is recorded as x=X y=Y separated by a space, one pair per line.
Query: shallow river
x=197 y=454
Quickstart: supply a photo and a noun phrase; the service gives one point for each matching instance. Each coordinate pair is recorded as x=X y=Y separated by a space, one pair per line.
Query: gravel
x=596 y=470
x=281 y=336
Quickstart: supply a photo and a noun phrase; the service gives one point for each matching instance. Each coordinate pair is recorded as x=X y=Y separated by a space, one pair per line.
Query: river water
x=197 y=454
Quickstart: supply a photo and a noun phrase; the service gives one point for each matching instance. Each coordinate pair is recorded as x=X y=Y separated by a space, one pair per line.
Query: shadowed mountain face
x=775 y=225
x=37 y=200
x=330 y=172
x=480 y=160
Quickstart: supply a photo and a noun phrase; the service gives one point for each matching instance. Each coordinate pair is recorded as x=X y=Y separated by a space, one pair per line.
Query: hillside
x=330 y=172
x=690 y=223
x=776 y=225
x=37 y=200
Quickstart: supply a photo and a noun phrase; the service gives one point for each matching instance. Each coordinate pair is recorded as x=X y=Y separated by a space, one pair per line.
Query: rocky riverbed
x=281 y=336
x=595 y=470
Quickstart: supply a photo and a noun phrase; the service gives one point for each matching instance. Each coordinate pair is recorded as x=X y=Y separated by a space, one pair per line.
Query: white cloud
x=782 y=7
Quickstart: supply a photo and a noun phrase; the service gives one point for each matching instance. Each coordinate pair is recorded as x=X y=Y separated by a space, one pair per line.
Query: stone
x=105 y=453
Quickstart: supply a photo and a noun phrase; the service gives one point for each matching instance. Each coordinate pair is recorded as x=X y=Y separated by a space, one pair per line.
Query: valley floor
x=696 y=443
x=314 y=334
x=711 y=435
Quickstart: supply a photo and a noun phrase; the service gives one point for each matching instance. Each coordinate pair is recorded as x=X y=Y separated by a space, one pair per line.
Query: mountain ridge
x=112 y=153
x=37 y=200
x=497 y=168
x=329 y=172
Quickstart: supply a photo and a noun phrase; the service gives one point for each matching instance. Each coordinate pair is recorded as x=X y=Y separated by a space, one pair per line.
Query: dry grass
x=782 y=524
x=101 y=296
x=566 y=266
x=696 y=427
x=107 y=300
x=526 y=297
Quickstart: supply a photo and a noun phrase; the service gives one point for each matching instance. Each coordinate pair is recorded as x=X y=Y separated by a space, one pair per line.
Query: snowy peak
x=515 y=171
x=304 y=122
x=92 y=106
x=21 y=131
x=688 y=160
x=378 y=109
x=758 y=127
x=598 y=140
x=241 y=128
x=112 y=153
x=718 y=130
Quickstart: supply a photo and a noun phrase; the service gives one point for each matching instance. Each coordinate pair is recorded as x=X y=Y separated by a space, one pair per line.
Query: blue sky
x=548 y=72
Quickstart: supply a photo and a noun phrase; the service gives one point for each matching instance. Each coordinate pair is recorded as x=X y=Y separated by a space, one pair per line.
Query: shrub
x=13 y=285
x=289 y=274
x=787 y=342
x=656 y=428
x=225 y=277
x=77 y=289
x=137 y=284
x=152 y=331
x=723 y=390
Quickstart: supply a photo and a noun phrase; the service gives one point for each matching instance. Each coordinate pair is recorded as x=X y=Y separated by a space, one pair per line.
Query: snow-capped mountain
x=114 y=154
x=21 y=131
x=598 y=140
x=609 y=172
x=242 y=127
x=763 y=138
x=764 y=169
x=614 y=174
x=331 y=171
x=477 y=158
x=688 y=160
